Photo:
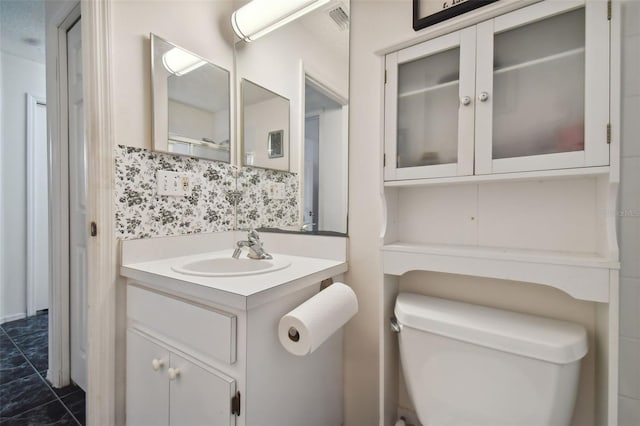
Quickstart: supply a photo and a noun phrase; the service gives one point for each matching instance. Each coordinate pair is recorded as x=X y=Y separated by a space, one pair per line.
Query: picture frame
x=275 y=144
x=430 y=12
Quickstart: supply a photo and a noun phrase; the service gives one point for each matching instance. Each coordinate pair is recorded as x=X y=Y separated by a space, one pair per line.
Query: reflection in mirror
x=265 y=128
x=325 y=196
x=190 y=103
x=307 y=62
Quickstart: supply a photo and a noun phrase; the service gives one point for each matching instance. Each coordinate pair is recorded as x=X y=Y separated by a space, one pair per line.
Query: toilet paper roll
x=305 y=328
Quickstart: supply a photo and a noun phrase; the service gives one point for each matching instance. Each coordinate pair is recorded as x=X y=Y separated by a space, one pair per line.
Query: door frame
x=323 y=84
x=57 y=129
x=32 y=240
x=101 y=261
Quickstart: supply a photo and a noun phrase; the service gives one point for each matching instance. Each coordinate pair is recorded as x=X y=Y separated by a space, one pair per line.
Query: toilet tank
x=467 y=364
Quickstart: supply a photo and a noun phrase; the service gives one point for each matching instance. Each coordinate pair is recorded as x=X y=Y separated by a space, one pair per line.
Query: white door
x=37 y=207
x=77 y=211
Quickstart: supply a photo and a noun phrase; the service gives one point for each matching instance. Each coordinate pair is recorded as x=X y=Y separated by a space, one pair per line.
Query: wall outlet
x=173 y=183
x=276 y=191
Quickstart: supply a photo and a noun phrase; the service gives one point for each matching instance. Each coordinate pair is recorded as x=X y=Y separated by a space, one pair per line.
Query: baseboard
x=12 y=317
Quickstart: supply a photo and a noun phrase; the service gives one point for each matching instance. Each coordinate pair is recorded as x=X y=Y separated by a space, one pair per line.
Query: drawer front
x=210 y=332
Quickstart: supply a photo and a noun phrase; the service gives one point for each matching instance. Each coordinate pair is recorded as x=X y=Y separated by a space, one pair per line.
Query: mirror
x=190 y=103
x=307 y=62
x=265 y=128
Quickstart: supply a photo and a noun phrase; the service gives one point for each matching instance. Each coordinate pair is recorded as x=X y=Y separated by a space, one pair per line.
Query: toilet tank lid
x=546 y=339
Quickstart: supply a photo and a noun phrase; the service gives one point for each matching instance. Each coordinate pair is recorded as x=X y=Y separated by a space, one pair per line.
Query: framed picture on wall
x=275 y=143
x=430 y=12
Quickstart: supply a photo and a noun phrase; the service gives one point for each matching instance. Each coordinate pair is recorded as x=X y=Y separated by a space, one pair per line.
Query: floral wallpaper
x=142 y=213
x=257 y=209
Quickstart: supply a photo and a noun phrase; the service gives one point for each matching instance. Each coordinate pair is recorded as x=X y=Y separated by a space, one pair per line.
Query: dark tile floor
x=26 y=398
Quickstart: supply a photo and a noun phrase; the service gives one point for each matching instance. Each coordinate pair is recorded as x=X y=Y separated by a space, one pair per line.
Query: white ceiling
x=319 y=24
x=22 y=28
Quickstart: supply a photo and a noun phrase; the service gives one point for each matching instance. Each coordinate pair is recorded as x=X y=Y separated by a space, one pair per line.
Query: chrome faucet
x=254 y=245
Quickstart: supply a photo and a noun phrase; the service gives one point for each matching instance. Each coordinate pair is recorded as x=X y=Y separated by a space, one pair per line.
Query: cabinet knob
x=173 y=373
x=483 y=96
x=466 y=100
x=157 y=364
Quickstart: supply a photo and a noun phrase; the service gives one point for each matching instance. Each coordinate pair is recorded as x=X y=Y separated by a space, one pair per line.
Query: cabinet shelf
x=582 y=275
x=498 y=71
x=540 y=61
x=428 y=89
x=501 y=177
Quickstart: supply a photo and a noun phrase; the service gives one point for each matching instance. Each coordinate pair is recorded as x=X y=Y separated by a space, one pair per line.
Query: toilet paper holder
x=293 y=334
x=325 y=283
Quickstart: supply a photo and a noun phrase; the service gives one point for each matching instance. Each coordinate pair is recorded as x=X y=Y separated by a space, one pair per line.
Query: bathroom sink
x=226 y=266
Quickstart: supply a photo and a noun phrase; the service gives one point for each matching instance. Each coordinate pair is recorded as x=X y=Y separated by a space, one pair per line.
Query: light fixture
x=259 y=17
x=179 y=62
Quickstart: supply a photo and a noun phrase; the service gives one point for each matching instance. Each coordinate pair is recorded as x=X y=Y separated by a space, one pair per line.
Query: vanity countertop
x=240 y=292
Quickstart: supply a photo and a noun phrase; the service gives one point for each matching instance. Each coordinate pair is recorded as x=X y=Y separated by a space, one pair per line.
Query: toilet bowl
x=466 y=364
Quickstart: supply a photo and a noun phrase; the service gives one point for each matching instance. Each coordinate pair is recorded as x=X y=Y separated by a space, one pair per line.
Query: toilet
x=467 y=364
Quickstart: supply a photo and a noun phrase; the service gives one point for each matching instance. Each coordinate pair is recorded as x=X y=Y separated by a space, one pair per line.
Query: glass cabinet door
x=429 y=108
x=532 y=78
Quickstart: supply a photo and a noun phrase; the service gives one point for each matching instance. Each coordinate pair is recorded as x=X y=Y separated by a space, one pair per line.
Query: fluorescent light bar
x=259 y=17
x=179 y=62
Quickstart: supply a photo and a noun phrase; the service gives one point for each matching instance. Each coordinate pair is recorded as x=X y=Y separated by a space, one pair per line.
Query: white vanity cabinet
x=205 y=350
x=524 y=91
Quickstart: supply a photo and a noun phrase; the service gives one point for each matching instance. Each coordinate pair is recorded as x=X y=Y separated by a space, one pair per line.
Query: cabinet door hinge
x=608 y=133
x=384 y=160
x=609 y=10
x=93 y=229
x=235 y=404
x=385 y=76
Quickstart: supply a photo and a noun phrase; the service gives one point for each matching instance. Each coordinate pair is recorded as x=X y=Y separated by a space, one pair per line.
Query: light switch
x=276 y=191
x=173 y=183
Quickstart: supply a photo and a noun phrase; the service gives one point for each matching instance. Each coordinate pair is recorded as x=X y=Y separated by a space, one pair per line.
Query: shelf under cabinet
x=436 y=87
x=539 y=61
x=582 y=275
x=500 y=177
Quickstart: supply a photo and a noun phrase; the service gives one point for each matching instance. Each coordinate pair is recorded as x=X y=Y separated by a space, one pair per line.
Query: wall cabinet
x=525 y=91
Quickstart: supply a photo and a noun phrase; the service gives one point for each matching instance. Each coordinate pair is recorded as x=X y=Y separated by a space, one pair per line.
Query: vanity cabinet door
x=429 y=117
x=199 y=396
x=147 y=386
x=542 y=97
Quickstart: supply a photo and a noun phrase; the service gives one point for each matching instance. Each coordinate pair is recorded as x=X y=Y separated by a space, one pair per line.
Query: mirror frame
x=155 y=116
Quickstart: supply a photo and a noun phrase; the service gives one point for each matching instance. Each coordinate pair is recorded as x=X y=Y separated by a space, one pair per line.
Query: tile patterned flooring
x=26 y=398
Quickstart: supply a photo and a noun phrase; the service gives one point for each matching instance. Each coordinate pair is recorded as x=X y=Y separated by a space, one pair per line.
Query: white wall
x=257 y=121
x=19 y=77
x=629 y=236
x=374 y=25
x=190 y=121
